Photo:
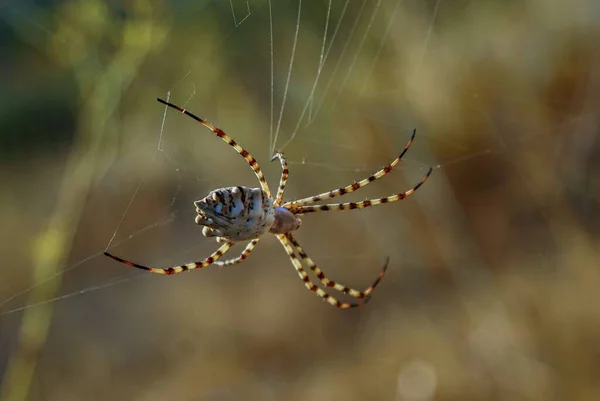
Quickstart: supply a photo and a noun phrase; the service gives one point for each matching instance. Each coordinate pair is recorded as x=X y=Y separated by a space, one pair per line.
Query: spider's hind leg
x=177 y=269
x=239 y=259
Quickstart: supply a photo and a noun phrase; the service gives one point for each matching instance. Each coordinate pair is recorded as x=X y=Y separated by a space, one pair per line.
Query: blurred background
x=491 y=291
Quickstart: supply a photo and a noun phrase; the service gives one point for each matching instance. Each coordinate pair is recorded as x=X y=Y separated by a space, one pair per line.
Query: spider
x=240 y=213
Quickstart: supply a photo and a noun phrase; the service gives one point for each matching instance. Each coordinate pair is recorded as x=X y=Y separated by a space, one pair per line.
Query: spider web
x=307 y=88
x=338 y=86
x=317 y=82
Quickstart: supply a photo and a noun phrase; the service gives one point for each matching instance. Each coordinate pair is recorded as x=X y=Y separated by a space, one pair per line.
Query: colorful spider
x=240 y=213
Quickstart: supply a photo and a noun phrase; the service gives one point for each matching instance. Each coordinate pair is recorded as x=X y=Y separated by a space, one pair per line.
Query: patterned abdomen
x=235 y=213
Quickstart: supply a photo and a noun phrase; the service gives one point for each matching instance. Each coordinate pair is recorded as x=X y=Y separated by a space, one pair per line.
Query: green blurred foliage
x=492 y=287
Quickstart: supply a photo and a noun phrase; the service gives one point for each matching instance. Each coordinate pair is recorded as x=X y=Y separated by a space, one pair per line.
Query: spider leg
x=332 y=284
x=309 y=284
x=247 y=251
x=230 y=141
x=177 y=269
x=293 y=205
x=285 y=172
x=360 y=205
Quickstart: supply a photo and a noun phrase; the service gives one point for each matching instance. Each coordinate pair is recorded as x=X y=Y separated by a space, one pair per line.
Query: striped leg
x=230 y=141
x=247 y=251
x=360 y=205
x=285 y=172
x=309 y=284
x=178 y=269
x=293 y=205
x=332 y=284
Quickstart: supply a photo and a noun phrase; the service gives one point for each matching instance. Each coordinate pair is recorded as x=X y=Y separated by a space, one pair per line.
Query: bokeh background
x=491 y=292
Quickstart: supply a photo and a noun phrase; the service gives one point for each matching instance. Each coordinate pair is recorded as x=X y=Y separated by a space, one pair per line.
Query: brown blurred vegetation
x=492 y=287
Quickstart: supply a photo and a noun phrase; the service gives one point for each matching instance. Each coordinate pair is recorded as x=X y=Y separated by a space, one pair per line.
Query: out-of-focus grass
x=491 y=292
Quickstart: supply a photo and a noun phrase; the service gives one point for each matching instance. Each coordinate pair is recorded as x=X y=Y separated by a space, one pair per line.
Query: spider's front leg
x=296 y=204
x=330 y=283
x=362 y=204
x=289 y=249
x=285 y=172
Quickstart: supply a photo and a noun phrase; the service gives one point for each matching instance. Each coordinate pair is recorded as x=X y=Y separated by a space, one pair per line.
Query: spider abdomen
x=235 y=213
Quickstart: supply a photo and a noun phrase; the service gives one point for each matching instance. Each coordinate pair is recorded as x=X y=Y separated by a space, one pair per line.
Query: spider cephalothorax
x=240 y=213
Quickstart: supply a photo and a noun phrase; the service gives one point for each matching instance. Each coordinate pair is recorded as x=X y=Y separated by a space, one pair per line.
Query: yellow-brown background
x=491 y=291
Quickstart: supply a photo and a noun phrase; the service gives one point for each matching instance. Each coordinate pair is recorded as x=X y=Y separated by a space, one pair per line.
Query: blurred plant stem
x=100 y=84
